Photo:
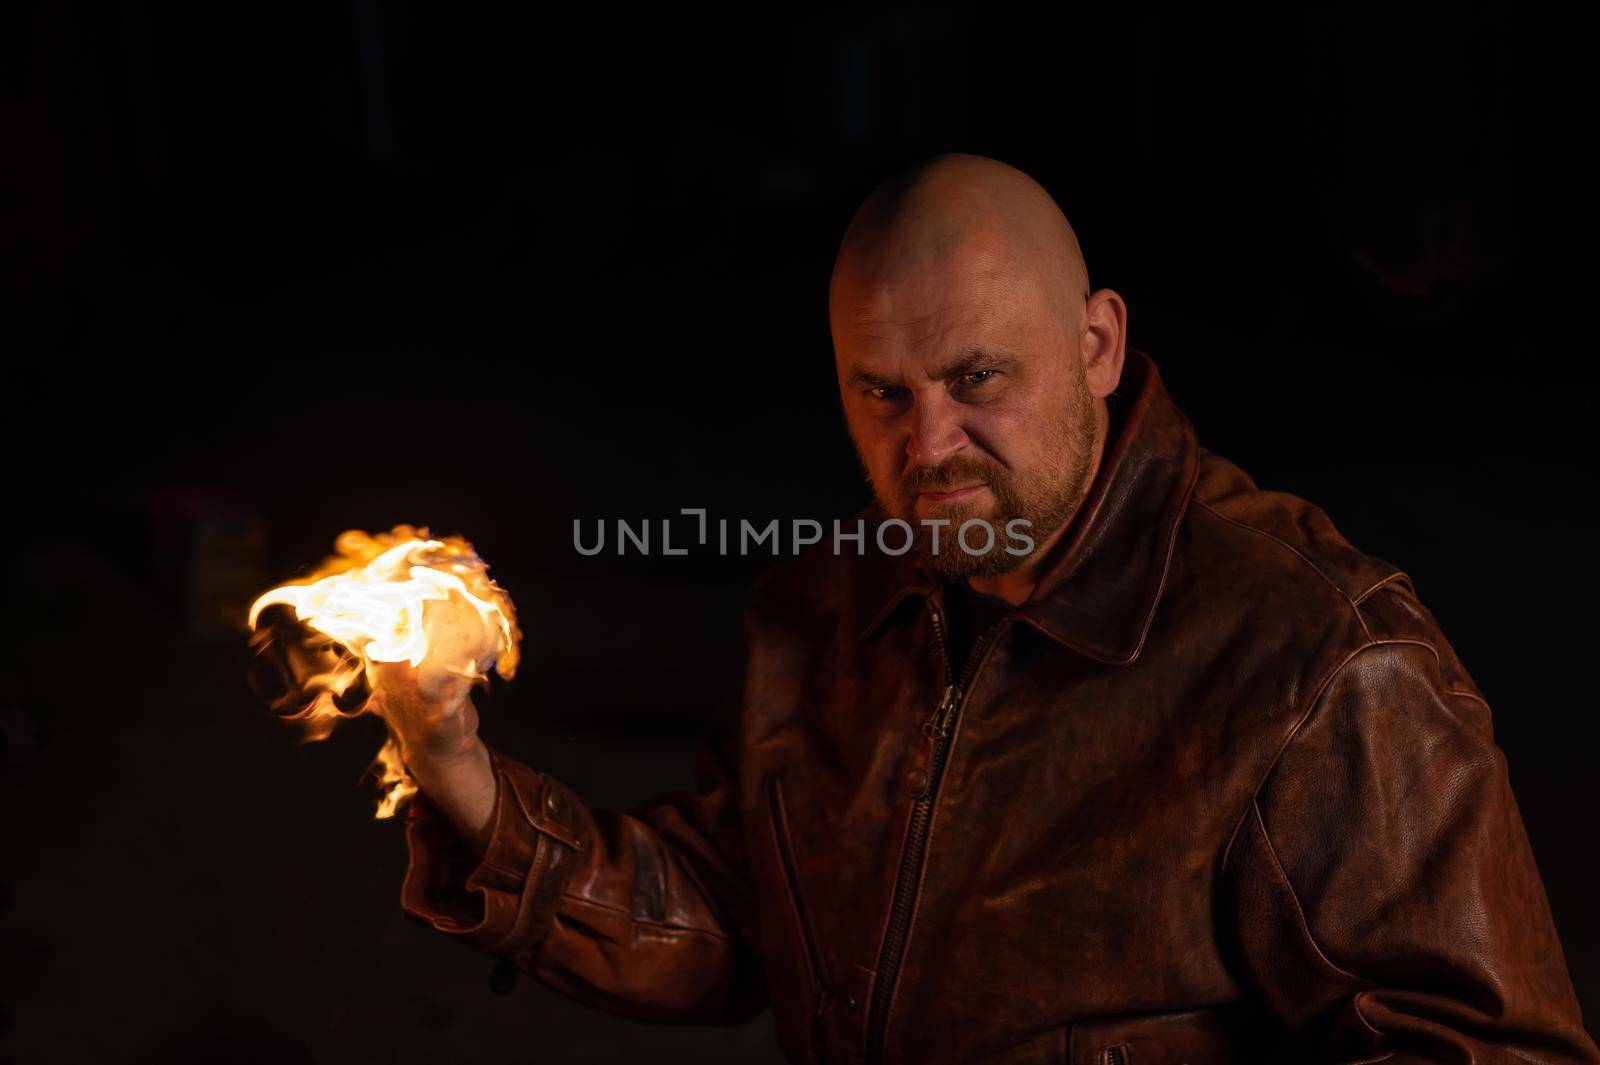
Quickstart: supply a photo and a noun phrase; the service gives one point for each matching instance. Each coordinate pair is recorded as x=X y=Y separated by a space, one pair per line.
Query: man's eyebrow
x=860 y=375
x=972 y=362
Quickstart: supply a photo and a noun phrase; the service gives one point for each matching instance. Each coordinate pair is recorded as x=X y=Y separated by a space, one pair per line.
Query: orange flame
x=399 y=596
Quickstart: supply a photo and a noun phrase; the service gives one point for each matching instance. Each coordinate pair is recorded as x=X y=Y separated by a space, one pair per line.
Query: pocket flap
x=1220 y=1035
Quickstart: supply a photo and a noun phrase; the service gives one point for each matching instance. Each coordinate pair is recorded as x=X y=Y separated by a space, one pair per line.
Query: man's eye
x=884 y=392
x=976 y=377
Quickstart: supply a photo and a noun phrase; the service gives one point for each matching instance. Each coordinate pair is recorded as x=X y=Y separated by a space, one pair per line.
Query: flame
x=369 y=603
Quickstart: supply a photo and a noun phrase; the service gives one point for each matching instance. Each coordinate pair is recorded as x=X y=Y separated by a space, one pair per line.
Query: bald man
x=1110 y=758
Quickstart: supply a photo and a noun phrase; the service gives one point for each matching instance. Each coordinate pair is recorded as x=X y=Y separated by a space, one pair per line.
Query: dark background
x=277 y=272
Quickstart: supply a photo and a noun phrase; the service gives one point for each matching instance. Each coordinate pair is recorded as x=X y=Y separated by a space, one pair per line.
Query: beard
x=1045 y=498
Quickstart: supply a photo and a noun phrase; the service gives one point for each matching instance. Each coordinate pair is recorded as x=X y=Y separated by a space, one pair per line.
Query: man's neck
x=1015 y=587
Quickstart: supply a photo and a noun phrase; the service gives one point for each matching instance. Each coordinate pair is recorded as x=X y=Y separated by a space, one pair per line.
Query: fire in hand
x=399 y=596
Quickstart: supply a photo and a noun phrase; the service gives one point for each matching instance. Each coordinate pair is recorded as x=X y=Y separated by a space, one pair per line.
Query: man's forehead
x=936 y=294
x=935 y=330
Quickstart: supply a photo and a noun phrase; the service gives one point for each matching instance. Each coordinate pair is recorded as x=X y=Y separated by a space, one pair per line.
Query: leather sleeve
x=1387 y=901
x=643 y=914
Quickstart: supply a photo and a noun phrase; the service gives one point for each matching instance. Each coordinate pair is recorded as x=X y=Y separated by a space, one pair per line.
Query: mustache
x=949 y=475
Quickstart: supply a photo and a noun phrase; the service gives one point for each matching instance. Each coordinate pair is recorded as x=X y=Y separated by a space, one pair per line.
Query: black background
x=277 y=272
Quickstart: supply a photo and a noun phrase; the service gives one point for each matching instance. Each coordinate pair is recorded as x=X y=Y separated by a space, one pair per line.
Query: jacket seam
x=1272 y=764
x=519 y=875
x=1383 y=583
x=1287 y=546
x=1305 y=925
x=1316 y=701
x=663 y=926
x=1300 y=913
x=1519 y=1055
x=1266 y=836
x=1464 y=694
x=1438 y=659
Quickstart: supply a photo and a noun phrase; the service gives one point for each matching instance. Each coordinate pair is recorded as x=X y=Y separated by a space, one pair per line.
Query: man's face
x=965 y=393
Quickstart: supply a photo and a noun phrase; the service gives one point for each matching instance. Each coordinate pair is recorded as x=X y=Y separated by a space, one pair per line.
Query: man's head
x=973 y=361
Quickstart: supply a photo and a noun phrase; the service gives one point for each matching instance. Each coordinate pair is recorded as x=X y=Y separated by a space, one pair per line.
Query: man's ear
x=1105 y=336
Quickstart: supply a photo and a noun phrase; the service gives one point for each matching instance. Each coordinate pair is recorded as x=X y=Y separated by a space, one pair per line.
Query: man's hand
x=436 y=726
x=435 y=722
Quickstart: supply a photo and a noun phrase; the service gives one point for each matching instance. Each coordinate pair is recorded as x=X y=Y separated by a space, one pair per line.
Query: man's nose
x=936 y=431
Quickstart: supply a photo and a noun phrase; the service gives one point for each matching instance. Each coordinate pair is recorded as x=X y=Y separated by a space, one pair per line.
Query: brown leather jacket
x=1221 y=791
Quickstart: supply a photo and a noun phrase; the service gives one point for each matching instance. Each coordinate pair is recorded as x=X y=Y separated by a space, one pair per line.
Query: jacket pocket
x=818 y=978
x=1220 y=1035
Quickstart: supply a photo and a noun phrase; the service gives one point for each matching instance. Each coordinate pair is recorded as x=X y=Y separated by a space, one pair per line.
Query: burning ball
x=400 y=596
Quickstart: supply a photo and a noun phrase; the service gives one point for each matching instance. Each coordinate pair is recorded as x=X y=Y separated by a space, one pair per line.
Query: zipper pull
x=938 y=726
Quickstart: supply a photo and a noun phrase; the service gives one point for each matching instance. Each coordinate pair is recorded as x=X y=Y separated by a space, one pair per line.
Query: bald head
x=949 y=214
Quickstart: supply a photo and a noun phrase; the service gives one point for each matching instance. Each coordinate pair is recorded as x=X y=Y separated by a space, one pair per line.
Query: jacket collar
x=1100 y=590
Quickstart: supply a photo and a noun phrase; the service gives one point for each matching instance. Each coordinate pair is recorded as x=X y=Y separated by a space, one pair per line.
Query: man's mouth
x=950 y=495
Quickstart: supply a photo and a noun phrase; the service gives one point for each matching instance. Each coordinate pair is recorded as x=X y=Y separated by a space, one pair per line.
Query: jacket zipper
x=821 y=988
x=937 y=728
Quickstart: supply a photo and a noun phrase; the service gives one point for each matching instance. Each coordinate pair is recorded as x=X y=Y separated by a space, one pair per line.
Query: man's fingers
x=395 y=683
x=440 y=718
